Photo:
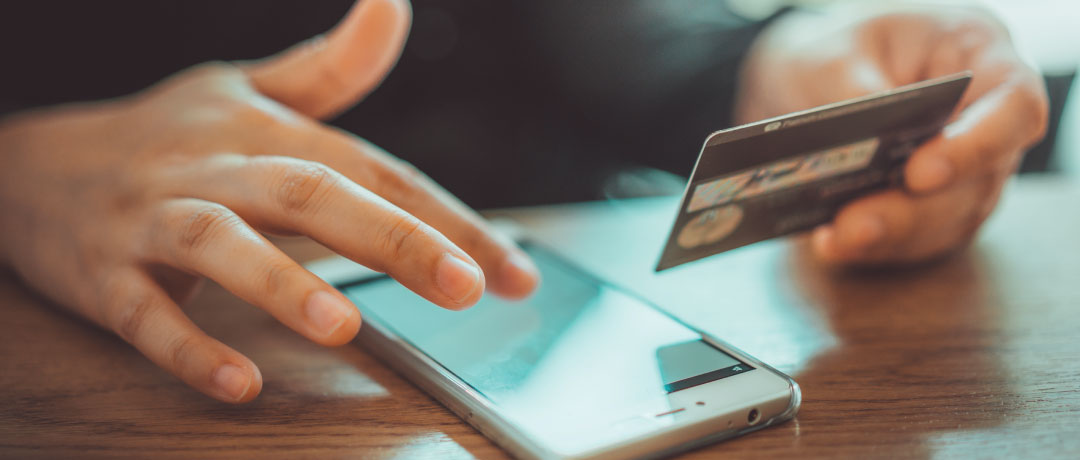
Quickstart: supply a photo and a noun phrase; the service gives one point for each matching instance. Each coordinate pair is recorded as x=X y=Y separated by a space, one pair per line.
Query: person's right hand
x=117 y=209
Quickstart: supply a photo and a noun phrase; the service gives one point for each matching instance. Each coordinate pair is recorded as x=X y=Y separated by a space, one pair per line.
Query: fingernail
x=456 y=278
x=231 y=380
x=931 y=173
x=326 y=311
x=867 y=231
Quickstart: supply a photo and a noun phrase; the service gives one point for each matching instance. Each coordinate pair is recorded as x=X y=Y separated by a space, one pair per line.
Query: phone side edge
x=465 y=402
x=448 y=389
x=472 y=407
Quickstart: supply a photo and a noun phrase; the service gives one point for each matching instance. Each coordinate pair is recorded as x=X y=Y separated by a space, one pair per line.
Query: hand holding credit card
x=792 y=173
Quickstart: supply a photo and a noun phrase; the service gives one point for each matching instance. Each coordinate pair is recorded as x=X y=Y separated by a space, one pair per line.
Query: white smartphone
x=581 y=369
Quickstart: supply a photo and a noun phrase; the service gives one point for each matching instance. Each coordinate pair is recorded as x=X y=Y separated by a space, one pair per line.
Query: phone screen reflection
x=576 y=355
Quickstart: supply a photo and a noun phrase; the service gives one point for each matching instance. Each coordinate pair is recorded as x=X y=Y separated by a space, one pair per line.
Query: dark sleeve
x=59 y=51
x=503 y=102
x=646 y=80
x=528 y=102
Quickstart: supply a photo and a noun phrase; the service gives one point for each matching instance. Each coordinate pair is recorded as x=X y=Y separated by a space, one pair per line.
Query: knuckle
x=179 y=349
x=131 y=317
x=203 y=225
x=478 y=238
x=984 y=17
x=213 y=69
x=277 y=275
x=475 y=240
x=218 y=88
x=835 y=66
x=217 y=114
x=202 y=76
x=997 y=170
x=971 y=156
x=967 y=228
x=399 y=178
x=989 y=193
x=229 y=102
x=963 y=237
x=397 y=237
x=966 y=219
x=303 y=187
x=1037 y=105
x=243 y=113
x=263 y=115
x=978 y=28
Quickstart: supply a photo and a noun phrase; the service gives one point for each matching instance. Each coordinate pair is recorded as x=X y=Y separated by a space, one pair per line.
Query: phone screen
x=578 y=363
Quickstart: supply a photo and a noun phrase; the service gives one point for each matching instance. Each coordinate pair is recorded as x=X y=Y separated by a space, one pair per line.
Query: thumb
x=329 y=73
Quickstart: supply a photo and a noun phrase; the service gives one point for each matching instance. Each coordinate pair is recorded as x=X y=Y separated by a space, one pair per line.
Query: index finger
x=282 y=193
x=510 y=272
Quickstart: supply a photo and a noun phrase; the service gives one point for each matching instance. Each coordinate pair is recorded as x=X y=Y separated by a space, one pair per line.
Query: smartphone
x=580 y=369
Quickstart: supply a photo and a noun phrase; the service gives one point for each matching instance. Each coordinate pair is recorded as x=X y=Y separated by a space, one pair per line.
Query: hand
x=116 y=209
x=952 y=182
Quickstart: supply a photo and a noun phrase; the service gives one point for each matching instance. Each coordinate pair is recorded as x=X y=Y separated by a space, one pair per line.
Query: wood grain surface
x=975 y=356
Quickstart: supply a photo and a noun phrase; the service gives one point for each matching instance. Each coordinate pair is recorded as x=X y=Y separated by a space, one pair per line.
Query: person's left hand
x=952 y=182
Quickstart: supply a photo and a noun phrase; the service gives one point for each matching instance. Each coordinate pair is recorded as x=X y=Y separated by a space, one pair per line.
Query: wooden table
x=978 y=356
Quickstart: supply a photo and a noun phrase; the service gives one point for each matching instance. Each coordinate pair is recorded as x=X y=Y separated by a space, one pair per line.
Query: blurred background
x=503 y=102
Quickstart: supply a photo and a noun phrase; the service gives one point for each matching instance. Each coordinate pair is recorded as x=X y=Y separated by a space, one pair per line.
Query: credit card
x=792 y=173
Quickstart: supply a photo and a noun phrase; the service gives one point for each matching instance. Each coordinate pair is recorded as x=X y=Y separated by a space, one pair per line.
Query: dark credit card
x=792 y=173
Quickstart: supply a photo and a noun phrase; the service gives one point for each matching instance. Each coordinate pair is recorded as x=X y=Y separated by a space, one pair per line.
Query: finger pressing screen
x=508 y=270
